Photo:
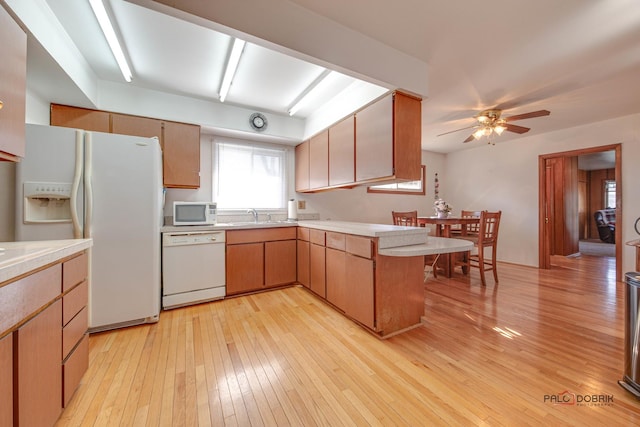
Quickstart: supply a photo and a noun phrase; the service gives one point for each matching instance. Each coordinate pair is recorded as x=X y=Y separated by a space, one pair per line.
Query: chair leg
x=494 y=264
x=481 y=265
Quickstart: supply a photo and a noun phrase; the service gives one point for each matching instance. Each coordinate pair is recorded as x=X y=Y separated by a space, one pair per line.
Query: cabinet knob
x=1 y=105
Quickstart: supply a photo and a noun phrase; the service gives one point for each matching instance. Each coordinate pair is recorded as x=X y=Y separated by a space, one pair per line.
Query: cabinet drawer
x=74 y=301
x=74 y=271
x=303 y=234
x=73 y=332
x=335 y=240
x=317 y=237
x=74 y=368
x=360 y=246
x=22 y=298
x=261 y=235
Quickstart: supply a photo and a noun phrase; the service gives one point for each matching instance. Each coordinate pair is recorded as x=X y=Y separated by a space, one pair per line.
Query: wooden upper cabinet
x=319 y=160
x=181 y=154
x=80 y=118
x=342 y=152
x=125 y=124
x=374 y=140
x=388 y=139
x=302 y=166
x=180 y=142
x=13 y=78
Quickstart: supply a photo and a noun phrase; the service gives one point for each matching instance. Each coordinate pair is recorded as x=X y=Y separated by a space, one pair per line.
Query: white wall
x=505 y=177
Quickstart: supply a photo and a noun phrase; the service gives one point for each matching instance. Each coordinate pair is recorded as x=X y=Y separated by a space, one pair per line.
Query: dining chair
x=410 y=219
x=472 y=229
x=487 y=238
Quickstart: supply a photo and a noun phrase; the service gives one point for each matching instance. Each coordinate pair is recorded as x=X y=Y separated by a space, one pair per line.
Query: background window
x=248 y=176
x=610 y=194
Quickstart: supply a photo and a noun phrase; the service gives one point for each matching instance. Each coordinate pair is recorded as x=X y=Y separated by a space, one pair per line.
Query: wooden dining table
x=443 y=228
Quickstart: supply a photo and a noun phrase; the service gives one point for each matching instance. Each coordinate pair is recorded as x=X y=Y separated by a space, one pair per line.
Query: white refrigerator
x=78 y=184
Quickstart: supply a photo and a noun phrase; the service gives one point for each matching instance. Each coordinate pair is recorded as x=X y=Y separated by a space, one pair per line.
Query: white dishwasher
x=193 y=267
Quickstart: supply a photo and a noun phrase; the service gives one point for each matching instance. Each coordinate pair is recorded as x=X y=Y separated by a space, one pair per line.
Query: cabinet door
x=302 y=166
x=39 y=373
x=6 y=384
x=80 y=118
x=319 y=161
x=279 y=262
x=336 y=263
x=181 y=155
x=360 y=290
x=303 y=263
x=13 y=75
x=317 y=270
x=245 y=267
x=342 y=152
x=407 y=136
x=374 y=140
x=125 y=124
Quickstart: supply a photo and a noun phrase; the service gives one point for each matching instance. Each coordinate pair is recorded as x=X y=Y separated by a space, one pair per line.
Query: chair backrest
x=471 y=228
x=489 y=224
x=409 y=219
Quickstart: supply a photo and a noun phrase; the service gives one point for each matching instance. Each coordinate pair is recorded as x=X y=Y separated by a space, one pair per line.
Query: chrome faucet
x=254 y=213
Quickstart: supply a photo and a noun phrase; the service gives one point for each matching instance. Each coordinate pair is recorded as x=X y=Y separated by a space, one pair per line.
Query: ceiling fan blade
x=452 y=131
x=516 y=128
x=527 y=115
x=469 y=139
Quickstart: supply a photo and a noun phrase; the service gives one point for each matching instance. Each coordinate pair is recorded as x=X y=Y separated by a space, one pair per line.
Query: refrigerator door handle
x=75 y=187
x=88 y=189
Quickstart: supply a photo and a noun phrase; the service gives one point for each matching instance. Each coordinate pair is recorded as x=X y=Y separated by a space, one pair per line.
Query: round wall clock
x=258 y=122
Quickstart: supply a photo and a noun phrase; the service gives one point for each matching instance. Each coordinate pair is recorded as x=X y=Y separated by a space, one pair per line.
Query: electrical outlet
x=302 y=204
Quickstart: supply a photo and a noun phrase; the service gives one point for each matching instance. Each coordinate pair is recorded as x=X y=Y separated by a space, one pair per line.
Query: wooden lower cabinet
x=39 y=376
x=245 y=267
x=317 y=269
x=336 y=264
x=303 y=264
x=6 y=382
x=257 y=259
x=279 y=262
x=360 y=303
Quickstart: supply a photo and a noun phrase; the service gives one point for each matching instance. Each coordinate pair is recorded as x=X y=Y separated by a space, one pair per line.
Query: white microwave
x=194 y=213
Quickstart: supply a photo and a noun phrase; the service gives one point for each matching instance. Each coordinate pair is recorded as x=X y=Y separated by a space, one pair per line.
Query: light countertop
x=434 y=245
x=17 y=258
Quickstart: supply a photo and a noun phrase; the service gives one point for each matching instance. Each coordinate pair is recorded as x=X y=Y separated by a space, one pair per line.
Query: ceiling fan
x=489 y=122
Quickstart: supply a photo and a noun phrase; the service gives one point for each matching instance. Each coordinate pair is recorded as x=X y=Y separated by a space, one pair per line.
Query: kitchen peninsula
x=373 y=273
x=44 y=345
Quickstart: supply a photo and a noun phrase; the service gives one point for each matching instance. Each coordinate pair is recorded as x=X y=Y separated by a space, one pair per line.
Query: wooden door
x=342 y=152
x=39 y=372
x=245 y=267
x=319 y=160
x=374 y=140
x=13 y=75
x=181 y=155
x=279 y=262
x=80 y=118
x=317 y=263
x=336 y=263
x=302 y=166
x=360 y=290
x=6 y=384
x=303 y=263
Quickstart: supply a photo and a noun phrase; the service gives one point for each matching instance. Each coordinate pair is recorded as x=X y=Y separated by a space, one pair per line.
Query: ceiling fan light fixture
x=499 y=128
x=479 y=133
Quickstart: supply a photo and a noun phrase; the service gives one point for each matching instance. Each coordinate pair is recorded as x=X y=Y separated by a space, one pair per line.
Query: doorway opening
x=580 y=203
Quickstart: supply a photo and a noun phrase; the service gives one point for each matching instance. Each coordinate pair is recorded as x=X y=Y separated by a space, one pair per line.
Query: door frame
x=544 y=254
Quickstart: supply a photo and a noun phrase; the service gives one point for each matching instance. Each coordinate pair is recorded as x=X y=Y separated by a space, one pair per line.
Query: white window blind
x=248 y=176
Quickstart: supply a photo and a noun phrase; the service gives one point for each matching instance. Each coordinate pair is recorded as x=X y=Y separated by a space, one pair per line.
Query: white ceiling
x=579 y=59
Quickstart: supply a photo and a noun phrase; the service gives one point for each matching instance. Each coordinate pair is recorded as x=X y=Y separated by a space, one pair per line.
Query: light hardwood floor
x=485 y=356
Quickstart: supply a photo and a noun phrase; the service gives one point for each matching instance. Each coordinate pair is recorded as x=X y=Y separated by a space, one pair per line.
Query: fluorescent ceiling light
x=310 y=92
x=232 y=65
x=110 y=35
